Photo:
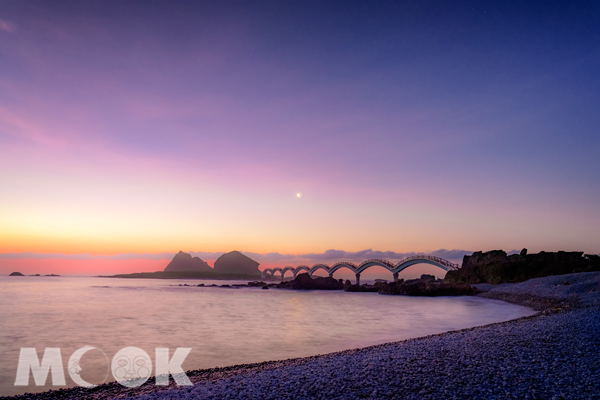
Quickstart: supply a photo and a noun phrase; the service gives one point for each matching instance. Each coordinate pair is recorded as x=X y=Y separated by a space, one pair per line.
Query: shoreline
x=473 y=362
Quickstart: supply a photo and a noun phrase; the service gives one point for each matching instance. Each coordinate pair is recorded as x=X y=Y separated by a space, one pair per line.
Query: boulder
x=257 y=284
x=16 y=274
x=305 y=282
x=363 y=288
x=185 y=262
x=427 y=287
x=235 y=262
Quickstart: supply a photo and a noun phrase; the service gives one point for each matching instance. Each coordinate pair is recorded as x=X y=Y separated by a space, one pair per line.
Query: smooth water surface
x=223 y=326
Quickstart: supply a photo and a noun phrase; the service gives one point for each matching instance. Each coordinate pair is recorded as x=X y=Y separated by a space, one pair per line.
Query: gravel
x=551 y=355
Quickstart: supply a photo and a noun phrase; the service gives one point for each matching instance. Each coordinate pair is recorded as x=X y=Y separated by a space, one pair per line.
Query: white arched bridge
x=357 y=269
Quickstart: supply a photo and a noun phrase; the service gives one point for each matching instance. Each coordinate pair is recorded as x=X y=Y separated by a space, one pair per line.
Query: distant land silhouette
x=16 y=273
x=236 y=263
x=232 y=265
x=185 y=262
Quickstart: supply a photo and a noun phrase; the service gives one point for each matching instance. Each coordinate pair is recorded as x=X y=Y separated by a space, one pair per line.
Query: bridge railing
x=432 y=258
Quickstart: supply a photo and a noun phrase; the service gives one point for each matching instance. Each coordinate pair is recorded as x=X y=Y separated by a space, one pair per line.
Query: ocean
x=220 y=326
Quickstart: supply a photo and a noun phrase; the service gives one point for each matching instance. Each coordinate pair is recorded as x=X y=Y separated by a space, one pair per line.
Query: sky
x=134 y=129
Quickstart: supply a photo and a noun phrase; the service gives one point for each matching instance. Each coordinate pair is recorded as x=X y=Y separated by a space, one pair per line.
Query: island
x=233 y=265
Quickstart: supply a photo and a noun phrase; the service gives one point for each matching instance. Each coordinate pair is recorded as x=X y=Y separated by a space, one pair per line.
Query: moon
x=298 y=194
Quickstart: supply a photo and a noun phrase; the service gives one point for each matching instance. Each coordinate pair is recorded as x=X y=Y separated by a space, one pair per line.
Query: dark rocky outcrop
x=185 y=262
x=16 y=274
x=257 y=284
x=362 y=288
x=427 y=285
x=235 y=262
x=305 y=282
x=497 y=267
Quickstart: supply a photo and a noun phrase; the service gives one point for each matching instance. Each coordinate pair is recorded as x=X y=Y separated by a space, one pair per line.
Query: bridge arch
x=342 y=264
x=315 y=267
x=375 y=263
x=301 y=268
x=266 y=271
x=432 y=260
x=286 y=269
x=275 y=270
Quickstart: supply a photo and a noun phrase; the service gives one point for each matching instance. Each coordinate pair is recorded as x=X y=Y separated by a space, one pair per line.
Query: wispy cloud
x=332 y=255
x=7 y=26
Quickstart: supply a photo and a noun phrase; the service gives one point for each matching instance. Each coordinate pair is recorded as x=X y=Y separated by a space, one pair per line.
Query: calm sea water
x=222 y=326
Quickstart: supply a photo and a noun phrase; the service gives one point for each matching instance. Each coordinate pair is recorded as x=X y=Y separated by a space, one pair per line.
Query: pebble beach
x=554 y=354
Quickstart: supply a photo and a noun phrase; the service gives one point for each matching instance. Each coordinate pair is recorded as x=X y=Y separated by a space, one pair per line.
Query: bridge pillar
x=357 y=279
x=395 y=276
x=330 y=275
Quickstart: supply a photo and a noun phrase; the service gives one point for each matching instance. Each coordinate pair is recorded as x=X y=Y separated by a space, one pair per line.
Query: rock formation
x=305 y=282
x=185 y=262
x=16 y=274
x=257 y=284
x=427 y=285
x=497 y=267
x=235 y=262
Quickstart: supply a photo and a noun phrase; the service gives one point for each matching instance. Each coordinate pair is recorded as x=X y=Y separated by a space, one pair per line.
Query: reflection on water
x=223 y=326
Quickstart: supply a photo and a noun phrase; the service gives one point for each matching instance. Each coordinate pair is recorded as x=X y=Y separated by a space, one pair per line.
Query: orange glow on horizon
x=31 y=266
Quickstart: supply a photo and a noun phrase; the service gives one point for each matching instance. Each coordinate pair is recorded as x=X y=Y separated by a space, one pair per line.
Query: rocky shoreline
x=551 y=355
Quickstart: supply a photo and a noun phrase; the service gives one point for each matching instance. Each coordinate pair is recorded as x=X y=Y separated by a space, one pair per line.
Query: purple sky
x=150 y=127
